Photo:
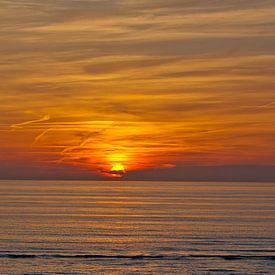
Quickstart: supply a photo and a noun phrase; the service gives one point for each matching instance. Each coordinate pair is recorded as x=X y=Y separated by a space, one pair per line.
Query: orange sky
x=126 y=85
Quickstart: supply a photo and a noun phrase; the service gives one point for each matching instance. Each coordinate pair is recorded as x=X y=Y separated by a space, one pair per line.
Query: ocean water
x=70 y=227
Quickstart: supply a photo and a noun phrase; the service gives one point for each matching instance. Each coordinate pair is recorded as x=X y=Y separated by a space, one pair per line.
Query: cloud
x=148 y=83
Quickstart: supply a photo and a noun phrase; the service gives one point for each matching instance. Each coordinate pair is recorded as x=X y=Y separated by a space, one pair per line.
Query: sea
x=137 y=227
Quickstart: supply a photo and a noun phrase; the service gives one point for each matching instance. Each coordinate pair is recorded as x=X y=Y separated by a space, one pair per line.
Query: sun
x=117 y=167
x=117 y=171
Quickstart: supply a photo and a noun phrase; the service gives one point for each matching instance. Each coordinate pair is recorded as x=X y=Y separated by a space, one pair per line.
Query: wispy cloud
x=146 y=83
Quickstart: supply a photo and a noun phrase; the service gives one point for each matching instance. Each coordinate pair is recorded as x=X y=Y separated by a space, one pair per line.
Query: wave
x=138 y=257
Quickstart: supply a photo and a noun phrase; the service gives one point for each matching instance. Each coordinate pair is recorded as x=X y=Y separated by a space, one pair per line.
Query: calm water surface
x=53 y=227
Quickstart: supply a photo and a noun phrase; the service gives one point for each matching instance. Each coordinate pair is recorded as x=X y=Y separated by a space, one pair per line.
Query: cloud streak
x=142 y=83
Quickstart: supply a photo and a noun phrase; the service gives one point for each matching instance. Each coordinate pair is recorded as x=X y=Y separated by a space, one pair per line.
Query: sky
x=117 y=88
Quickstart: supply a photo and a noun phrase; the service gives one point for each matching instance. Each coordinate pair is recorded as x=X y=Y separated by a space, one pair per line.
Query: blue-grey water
x=70 y=227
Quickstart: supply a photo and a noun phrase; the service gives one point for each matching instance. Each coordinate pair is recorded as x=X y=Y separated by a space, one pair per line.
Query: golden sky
x=111 y=86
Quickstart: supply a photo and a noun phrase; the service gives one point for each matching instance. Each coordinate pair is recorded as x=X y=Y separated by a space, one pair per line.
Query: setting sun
x=118 y=167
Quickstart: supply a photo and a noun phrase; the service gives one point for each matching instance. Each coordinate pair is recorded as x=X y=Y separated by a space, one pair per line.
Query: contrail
x=41 y=135
x=21 y=125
